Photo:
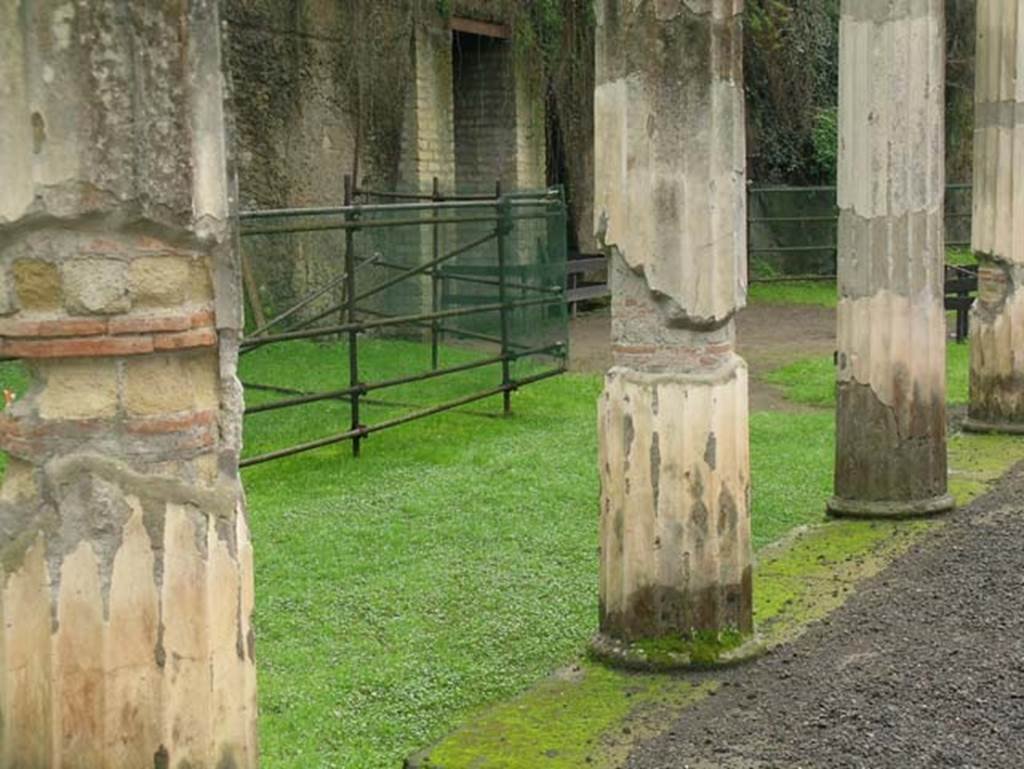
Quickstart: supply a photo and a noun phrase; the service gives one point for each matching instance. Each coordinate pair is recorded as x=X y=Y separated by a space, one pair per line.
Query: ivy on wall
x=791 y=63
x=791 y=53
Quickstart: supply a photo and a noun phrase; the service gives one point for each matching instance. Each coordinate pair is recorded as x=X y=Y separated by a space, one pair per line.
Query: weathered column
x=997 y=232
x=891 y=410
x=670 y=204
x=125 y=563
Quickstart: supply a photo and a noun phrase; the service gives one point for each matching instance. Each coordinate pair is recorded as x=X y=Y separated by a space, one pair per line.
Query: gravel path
x=924 y=667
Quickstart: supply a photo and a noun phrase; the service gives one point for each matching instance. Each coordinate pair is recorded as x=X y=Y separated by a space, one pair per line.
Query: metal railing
x=823 y=229
x=497 y=215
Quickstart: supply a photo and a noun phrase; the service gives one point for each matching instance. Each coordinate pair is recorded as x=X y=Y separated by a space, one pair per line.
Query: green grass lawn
x=821 y=293
x=961 y=257
x=451 y=565
x=13 y=377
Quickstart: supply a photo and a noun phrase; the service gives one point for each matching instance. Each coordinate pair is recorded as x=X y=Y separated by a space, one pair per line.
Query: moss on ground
x=588 y=715
x=702 y=648
x=976 y=461
x=593 y=716
x=811 y=573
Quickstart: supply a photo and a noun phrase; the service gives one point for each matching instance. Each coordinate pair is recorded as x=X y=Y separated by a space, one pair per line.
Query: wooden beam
x=482 y=28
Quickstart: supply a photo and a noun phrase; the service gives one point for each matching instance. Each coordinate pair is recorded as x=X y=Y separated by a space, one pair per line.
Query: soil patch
x=768 y=336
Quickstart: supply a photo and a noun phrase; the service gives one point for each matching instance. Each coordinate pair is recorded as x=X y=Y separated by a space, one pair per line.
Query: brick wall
x=485 y=113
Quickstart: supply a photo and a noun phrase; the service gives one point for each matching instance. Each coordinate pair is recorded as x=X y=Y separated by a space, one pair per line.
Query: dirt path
x=924 y=667
x=768 y=336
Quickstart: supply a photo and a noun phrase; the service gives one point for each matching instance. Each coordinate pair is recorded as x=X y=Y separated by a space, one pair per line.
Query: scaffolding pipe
x=366 y=387
x=366 y=430
x=395 y=320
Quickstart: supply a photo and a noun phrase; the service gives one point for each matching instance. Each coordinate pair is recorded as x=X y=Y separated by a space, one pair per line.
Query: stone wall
x=299 y=110
x=428 y=143
x=295 y=133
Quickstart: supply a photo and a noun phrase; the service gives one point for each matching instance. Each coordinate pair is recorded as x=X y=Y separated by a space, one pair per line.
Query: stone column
x=891 y=410
x=670 y=205
x=997 y=233
x=125 y=564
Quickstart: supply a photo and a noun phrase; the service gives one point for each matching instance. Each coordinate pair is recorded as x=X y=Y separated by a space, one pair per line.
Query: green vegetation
x=454 y=563
x=791 y=66
x=961 y=257
x=823 y=292
x=592 y=715
x=975 y=461
x=812 y=381
x=816 y=292
x=702 y=648
x=588 y=715
x=13 y=378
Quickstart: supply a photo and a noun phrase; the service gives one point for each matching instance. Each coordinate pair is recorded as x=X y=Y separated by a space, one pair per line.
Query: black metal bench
x=961 y=286
x=576 y=289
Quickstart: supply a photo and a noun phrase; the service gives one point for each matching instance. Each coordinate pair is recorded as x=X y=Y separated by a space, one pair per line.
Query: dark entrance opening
x=485 y=113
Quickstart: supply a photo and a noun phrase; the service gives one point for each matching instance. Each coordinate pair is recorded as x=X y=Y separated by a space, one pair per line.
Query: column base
x=914 y=508
x=972 y=425
x=672 y=654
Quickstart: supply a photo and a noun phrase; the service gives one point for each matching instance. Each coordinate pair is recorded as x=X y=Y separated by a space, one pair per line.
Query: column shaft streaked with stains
x=997 y=233
x=891 y=395
x=670 y=208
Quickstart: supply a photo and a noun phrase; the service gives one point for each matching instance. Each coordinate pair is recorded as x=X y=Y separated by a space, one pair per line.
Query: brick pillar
x=891 y=410
x=428 y=135
x=126 y=591
x=670 y=203
x=997 y=318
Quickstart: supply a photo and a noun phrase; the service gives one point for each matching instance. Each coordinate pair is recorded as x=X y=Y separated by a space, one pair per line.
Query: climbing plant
x=562 y=33
x=960 y=42
x=791 y=62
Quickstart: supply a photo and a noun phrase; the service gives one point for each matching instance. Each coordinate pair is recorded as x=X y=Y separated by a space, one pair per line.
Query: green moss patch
x=811 y=573
x=588 y=715
x=977 y=461
x=702 y=648
x=679 y=653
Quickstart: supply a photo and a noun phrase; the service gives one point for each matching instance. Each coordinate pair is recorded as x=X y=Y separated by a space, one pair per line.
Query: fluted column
x=126 y=583
x=670 y=207
x=997 y=233
x=891 y=410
